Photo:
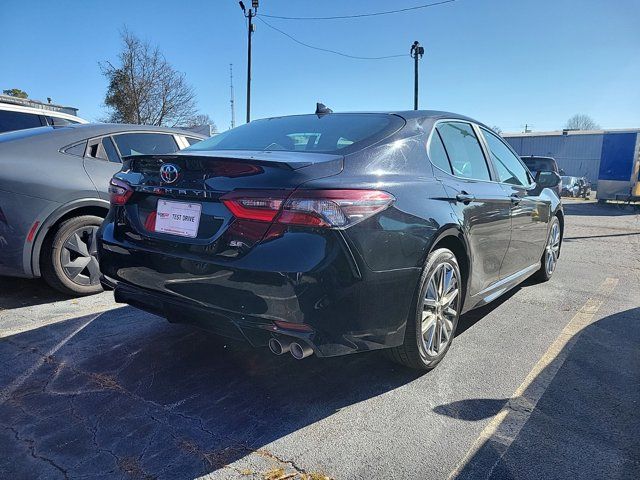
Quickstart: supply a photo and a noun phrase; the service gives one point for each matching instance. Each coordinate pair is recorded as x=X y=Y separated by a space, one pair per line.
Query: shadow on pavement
x=586 y=423
x=599 y=210
x=131 y=394
x=23 y=292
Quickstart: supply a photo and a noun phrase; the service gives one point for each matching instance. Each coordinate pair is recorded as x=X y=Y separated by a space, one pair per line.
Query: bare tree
x=145 y=89
x=497 y=129
x=201 y=119
x=581 y=121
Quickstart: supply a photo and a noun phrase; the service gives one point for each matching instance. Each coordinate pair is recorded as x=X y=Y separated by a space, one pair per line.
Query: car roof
x=406 y=114
x=74 y=133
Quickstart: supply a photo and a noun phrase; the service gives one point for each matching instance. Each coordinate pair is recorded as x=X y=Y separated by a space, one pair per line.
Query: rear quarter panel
x=391 y=247
x=36 y=180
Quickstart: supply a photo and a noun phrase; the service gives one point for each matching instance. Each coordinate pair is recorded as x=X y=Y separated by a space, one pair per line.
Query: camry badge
x=169 y=172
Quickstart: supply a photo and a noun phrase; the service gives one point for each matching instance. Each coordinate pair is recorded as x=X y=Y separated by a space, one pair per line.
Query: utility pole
x=233 y=106
x=249 y=14
x=416 y=52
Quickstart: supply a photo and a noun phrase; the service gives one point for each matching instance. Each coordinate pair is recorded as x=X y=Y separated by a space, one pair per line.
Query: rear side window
x=332 y=133
x=193 y=140
x=103 y=149
x=145 y=143
x=18 y=120
x=110 y=150
x=463 y=148
x=438 y=154
x=508 y=166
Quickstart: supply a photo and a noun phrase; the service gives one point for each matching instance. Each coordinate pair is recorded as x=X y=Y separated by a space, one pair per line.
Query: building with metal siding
x=580 y=153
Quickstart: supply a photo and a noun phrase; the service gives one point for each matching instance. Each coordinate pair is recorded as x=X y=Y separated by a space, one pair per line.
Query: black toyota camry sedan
x=331 y=234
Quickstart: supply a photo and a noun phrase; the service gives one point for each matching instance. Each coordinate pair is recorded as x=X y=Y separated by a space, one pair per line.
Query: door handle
x=515 y=198
x=464 y=197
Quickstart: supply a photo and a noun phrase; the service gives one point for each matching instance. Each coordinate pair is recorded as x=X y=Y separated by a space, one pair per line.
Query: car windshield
x=535 y=164
x=331 y=133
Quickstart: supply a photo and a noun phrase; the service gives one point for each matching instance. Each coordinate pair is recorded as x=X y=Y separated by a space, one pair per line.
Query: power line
x=326 y=49
x=374 y=14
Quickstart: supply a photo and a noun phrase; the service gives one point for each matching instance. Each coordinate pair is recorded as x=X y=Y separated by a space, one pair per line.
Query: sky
x=506 y=63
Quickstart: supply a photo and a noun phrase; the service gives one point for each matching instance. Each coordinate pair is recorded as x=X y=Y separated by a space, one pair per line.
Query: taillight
x=257 y=205
x=333 y=208
x=119 y=192
x=316 y=208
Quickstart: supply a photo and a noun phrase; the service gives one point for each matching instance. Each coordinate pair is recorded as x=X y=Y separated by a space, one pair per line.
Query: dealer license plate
x=178 y=218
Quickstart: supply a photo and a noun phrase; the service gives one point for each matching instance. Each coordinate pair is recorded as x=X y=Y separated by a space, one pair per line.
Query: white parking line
x=505 y=426
x=13 y=386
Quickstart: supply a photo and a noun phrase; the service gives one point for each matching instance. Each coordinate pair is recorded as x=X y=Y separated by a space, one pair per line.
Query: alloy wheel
x=553 y=248
x=78 y=263
x=440 y=309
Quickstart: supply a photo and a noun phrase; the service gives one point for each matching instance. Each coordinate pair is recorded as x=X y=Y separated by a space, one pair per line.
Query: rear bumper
x=310 y=280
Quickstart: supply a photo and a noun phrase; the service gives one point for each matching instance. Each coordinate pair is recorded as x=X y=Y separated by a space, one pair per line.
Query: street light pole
x=252 y=12
x=416 y=52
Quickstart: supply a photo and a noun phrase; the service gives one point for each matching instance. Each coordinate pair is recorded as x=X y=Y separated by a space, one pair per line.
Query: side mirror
x=548 y=179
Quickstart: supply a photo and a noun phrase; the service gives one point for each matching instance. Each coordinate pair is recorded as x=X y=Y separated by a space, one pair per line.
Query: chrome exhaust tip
x=279 y=347
x=300 y=351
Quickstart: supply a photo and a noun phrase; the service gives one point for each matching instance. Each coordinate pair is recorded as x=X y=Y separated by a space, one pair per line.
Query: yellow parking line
x=506 y=425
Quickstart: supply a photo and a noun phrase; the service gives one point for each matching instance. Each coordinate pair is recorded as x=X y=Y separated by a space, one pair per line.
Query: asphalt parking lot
x=541 y=384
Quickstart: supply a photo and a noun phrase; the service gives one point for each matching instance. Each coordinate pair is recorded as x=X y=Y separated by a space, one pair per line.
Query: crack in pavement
x=31 y=445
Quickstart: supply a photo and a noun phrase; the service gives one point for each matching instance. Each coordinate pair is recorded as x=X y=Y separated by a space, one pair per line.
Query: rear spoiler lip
x=287 y=160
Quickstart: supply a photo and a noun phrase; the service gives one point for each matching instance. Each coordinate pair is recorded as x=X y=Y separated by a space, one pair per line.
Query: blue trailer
x=610 y=159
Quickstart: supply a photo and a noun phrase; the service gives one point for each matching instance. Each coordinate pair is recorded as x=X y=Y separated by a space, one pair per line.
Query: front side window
x=463 y=148
x=18 y=120
x=145 y=143
x=508 y=166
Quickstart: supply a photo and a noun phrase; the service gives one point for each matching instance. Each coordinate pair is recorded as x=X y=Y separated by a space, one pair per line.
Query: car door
x=480 y=204
x=101 y=162
x=530 y=212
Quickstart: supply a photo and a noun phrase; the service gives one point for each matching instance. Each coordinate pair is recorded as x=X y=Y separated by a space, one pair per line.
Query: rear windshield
x=539 y=164
x=332 y=133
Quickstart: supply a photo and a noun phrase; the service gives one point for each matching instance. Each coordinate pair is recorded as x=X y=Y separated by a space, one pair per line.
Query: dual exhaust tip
x=297 y=350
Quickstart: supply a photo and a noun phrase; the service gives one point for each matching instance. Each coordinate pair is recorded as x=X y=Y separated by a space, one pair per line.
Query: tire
x=428 y=311
x=552 y=248
x=67 y=263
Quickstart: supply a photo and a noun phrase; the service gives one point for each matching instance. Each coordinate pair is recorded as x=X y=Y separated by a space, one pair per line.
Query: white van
x=19 y=117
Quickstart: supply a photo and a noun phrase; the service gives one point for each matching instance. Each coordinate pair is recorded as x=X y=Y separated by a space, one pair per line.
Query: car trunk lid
x=192 y=184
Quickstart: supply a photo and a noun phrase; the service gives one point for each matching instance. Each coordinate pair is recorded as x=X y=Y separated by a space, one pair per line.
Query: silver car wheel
x=552 y=248
x=440 y=309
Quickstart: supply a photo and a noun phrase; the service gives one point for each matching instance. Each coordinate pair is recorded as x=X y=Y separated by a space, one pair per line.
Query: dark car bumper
x=310 y=280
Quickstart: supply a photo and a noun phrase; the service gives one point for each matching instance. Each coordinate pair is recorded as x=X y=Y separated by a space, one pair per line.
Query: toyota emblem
x=169 y=172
